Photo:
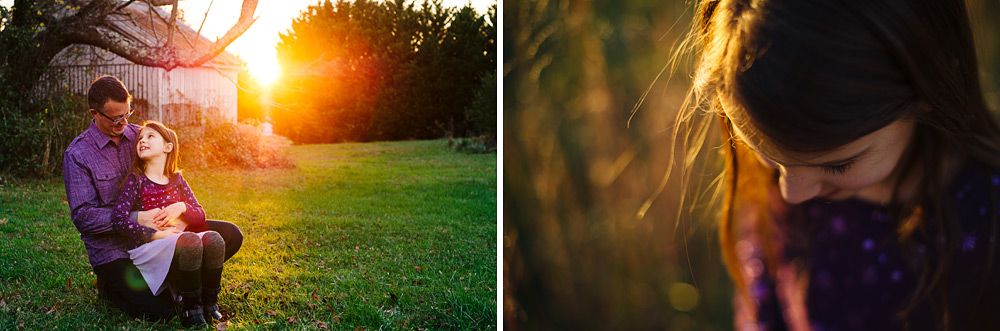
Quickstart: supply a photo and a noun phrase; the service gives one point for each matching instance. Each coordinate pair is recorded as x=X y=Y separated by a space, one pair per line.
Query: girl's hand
x=179 y=224
x=165 y=233
x=169 y=213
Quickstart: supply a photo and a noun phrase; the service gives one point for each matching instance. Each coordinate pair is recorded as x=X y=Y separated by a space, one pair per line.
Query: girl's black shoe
x=192 y=317
x=191 y=311
x=212 y=312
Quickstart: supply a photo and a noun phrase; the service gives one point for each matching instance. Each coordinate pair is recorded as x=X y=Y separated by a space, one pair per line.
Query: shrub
x=241 y=145
x=473 y=145
x=36 y=133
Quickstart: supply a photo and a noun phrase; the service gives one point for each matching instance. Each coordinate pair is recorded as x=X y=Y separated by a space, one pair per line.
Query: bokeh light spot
x=683 y=296
x=133 y=279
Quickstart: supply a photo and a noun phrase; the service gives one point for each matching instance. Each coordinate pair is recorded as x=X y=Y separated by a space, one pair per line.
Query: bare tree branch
x=124 y=5
x=172 y=25
x=160 y=2
x=151 y=12
x=205 y=18
x=100 y=34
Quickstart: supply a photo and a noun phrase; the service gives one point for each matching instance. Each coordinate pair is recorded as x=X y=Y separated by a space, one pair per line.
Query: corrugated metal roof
x=148 y=25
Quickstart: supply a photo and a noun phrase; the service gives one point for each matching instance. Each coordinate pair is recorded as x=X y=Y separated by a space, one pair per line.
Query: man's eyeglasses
x=119 y=118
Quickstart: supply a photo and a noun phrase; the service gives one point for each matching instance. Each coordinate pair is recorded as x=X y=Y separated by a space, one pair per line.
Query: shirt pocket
x=107 y=183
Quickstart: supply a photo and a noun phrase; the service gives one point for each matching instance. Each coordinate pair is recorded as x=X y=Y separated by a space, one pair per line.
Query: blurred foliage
x=578 y=169
x=35 y=128
x=36 y=133
x=365 y=70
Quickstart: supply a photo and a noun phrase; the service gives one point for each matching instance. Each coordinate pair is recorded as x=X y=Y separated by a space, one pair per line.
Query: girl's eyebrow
x=824 y=164
x=847 y=159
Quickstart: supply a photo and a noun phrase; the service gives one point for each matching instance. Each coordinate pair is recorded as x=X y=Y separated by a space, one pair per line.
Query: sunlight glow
x=256 y=45
x=262 y=63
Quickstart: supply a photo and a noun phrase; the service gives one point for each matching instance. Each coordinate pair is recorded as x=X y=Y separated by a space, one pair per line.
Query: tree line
x=366 y=70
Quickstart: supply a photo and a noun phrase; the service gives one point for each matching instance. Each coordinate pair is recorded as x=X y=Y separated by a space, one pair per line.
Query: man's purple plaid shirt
x=93 y=169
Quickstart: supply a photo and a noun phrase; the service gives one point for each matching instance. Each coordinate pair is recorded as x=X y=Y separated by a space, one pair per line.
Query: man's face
x=112 y=109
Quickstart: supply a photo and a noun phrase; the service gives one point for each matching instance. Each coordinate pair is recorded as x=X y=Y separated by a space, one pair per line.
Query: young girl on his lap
x=191 y=261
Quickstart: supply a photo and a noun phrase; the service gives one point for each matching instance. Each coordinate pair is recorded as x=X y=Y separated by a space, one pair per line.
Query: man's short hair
x=104 y=88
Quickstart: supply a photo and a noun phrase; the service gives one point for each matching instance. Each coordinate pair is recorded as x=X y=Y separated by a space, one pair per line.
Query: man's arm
x=83 y=200
x=120 y=222
x=145 y=217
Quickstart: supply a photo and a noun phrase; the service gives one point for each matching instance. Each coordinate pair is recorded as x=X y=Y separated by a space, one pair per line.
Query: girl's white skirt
x=153 y=261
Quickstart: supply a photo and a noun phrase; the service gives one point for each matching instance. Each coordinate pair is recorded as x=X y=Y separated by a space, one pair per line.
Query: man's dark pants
x=121 y=283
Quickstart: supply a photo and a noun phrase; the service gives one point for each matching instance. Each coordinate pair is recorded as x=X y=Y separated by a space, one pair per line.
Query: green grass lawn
x=398 y=235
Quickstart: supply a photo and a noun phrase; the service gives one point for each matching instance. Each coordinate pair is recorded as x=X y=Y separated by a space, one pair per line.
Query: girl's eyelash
x=839 y=169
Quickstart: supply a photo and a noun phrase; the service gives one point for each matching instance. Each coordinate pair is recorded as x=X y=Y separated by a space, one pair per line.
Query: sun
x=265 y=72
x=263 y=66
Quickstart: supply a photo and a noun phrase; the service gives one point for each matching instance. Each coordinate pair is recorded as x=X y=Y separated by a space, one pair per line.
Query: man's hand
x=165 y=233
x=169 y=213
x=146 y=219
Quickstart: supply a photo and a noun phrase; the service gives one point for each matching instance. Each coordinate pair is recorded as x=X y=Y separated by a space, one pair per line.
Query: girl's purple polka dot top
x=860 y=277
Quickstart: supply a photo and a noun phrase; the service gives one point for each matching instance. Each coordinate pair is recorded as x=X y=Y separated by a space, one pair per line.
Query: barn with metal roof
x=180 y=97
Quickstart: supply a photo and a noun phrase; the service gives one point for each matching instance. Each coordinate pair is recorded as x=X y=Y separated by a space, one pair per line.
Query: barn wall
x=157 y=93
x=206 y=87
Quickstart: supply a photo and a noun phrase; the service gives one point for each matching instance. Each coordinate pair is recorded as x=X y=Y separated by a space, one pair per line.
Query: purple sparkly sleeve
x=195 y=215
x=130 y=194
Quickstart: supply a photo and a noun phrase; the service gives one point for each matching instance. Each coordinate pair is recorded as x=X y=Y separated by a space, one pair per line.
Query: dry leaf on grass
x=54 y=307
x=222 y=326
x=270 y=312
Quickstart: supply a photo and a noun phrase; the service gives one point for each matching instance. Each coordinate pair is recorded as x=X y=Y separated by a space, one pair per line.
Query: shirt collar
x=131 y=130
x=101 y=140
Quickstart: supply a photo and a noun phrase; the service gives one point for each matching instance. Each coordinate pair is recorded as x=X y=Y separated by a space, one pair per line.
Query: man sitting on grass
x=93 y=168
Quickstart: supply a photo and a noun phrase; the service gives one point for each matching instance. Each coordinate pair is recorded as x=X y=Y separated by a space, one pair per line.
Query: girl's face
x=151 y=144
x=864 y=168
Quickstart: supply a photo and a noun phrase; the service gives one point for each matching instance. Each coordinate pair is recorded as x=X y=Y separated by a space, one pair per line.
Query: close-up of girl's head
x=842 y=156
x=801 y=81
x=155 y=140
x=878 y=101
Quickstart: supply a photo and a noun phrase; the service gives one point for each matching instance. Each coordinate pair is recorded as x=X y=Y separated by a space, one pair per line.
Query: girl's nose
x=797 y=187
